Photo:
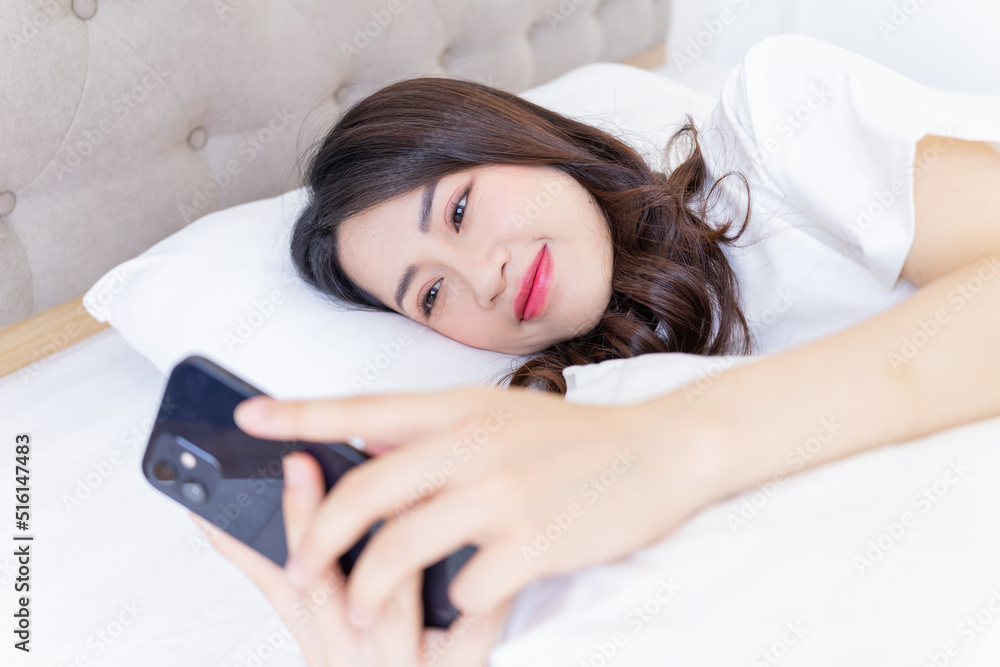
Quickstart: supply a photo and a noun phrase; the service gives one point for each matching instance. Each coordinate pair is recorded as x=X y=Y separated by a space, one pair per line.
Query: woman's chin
x=524 y=349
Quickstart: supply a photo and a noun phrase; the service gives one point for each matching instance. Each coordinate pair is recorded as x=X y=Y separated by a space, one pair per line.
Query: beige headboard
x=121 y=122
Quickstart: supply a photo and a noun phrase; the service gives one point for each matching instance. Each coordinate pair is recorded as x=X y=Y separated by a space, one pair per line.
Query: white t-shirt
x=827 y=141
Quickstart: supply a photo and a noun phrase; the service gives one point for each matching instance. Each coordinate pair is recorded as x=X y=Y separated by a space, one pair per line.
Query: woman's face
x=470 y=274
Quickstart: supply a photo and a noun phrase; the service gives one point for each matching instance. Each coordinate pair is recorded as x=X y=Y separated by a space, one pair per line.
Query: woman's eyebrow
x=426 y=205
x=423 y=225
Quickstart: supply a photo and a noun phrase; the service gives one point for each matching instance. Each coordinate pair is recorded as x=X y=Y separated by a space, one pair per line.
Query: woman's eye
x=458 y=211
x=427 y=300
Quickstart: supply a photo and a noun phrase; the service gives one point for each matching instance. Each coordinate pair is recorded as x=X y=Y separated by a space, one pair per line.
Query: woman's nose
x=490 y=276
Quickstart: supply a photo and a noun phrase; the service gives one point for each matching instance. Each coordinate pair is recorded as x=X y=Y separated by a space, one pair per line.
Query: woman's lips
x=527 y=280
x=539 y=286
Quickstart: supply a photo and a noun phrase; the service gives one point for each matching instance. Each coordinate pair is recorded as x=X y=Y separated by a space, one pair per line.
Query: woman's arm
x=931 y=362
x=544 y=486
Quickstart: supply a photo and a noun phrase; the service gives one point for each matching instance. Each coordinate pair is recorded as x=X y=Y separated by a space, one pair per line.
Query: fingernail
x=252 y=412
x=292 y=472
x=356 y=618
x=295 y=572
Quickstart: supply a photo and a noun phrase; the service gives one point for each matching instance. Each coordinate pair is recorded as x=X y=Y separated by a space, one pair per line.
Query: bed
x=123 y=577
x=890 y=557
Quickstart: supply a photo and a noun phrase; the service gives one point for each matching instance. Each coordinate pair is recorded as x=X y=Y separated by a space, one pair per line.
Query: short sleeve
x=834 y=135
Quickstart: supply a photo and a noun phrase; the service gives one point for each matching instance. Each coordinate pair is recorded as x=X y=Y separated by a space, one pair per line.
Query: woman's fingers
x=468 y=642
x=264 y=573
x=321 y=604
x=398 y=631
x=496 y=572
x=320 y=627
x=243 y=556
x=382 y=487
x=385 y=418
x=301 y=496
x=402 y=546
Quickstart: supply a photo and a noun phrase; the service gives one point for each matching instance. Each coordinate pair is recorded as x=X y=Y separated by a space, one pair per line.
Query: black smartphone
x=198 y=456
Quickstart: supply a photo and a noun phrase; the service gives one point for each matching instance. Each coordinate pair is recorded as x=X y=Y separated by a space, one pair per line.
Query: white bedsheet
x=128 y=563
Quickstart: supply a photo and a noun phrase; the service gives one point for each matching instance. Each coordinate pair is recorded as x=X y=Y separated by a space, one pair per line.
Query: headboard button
x=7 y=202
x=341 y=95
x=198 y=138
x=85 y=9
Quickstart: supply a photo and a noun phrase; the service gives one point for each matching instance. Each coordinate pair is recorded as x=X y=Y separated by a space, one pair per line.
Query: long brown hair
x=673 y=289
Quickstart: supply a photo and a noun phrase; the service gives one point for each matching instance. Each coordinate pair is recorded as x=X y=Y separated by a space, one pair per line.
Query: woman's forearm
x=929 y=363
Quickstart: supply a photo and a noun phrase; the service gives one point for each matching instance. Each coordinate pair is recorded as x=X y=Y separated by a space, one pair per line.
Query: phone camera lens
x=188 y=460
x=164 y=472
x=194 y=491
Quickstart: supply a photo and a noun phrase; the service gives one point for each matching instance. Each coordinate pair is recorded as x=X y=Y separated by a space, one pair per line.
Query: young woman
x=839 y=218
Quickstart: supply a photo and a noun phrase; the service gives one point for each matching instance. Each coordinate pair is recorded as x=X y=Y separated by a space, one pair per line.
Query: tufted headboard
x=122 y=122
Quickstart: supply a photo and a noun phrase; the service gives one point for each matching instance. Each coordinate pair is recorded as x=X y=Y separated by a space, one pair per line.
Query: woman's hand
x=316 y=613
x=540 y=485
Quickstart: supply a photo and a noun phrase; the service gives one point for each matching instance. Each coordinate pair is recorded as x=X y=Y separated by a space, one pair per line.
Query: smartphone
x=197 y=455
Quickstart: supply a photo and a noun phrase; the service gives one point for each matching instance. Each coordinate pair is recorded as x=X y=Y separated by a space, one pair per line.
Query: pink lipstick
x=535 y=286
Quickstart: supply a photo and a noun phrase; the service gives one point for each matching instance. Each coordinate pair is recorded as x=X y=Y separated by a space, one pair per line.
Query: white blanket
x=891 y=557
x=121 y=577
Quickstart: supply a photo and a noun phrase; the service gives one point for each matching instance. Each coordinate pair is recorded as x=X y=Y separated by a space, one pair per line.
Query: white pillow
x=224 y=286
